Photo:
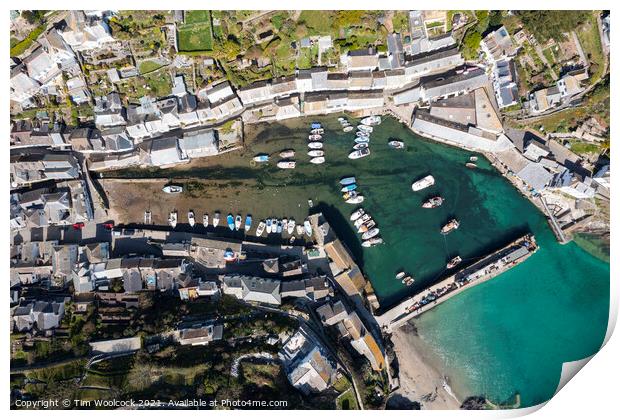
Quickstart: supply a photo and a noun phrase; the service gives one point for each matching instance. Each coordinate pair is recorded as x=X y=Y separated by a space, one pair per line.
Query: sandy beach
x=421 y=377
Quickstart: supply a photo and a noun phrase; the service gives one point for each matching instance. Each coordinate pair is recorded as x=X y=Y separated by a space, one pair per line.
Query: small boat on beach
x=288 y=153
x=238 y=222
x=248 y=223
x=231 y=221
x=172 y=189
x=268 y=225
x=371 y=120
x=315 y=145
x=216 y=219
x=348 y=188
x=290 y=226
x=454 y=262
x=263 y=157
x=370 y=234
x=286 y=164
x=317 y=131
x=316 y=153
x=173 y=218
x=396 y=144
x=365 y=128
x=315 y=137
x=348 y=128
x=307 y=227
x=450 y=226
x=425 y=182
x=357 y=214
x=360 y=146
x=348 y=180
x=317 y=160
x=372 y=242
x=205 y=220
x=361 y=140
x=357 y=154
x=191 y=218
x=260 y=228
x=433 y=202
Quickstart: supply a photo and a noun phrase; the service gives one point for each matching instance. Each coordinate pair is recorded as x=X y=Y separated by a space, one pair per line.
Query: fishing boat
x=454 y=262
x=299 y=229
x=372 y=242
x=286 y=164
x=365 y=227
x=318 y=160
x=279 y=227
x=396 y=144
x=191 y=218
x=216 y=219
x=349 y=187
x=315 y=137
x=288 y=153
x=471 y=165
x=360 y=146
x=231 y=221
x=473 y=158
x=425 y=182
x=348 y=128
x=260 y=228
x=317 y=131
x=361 y=140
x=315 y=145
x=357 y=214
x=362 y=134
x=370 y=234
x=316 y=153
x=365 y=128
x=307 y=227
x=348 y=180
x=205 y=220
x=248 y=223
x=315 y=125
x=263 y=157
x=268 y=225
x=408 y=280
x=172 y=218
x=357 y=154
x=290 y=226
x=238 y=222
x=363 y=219
x=400 y=275
x=433 y=202
x=172 y=189
x=450 y=226
x=371 y=120
x=354 y=199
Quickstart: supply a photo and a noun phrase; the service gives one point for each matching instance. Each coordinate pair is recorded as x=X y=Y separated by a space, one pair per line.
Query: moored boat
x=317 y=160
x=362 y=134
x=317 y=131
x=354 y=199
x=237 y=222
x=316 y=153
x=231 y=221
x=473 y=158
x=450 y=226
x=348 y=180
x=425 y=182
x=396 y=144
x=359 y=146
x=370 y=234
x=248 y=223
x=315 y=137
x=315 y=145
x=363 y=219
x=357 y=154
x=361 y=140
x=408 y=281
x=365 y=128
x=268 y=225
x=371 y=120
x=290 y=226
x=471 y=165
x=191 y=218
x=357 y=214
x=372 y=242
x=433 y=202
x=205 y=220
x=279 y=226
x=172 y=189
x=307 y=227
x=288 y=153
x=263 y=157
x=454 y=262
x=172 y=218
x=286 y=164
x=365 y=227
x=400 y=275
x=216 y=219
x=349 y=187
x=315 y=125
x=348 y=128
x=260 y=228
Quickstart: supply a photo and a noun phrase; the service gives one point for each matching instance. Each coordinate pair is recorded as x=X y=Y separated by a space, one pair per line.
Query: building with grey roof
x=252 y=289
x=199 y=143
x=454 y=83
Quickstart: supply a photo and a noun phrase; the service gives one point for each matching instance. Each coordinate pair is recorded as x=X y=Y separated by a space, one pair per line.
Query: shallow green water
x=510 y=334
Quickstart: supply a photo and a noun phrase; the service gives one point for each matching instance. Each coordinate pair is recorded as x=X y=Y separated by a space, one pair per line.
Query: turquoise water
x=508 y=335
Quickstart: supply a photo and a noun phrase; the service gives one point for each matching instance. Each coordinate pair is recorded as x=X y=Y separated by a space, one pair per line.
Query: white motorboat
x=172 y=189
x=365 y=128
x=205 y=220
x=366 y=226
x=362 y=134
x=315 y=137
x=307 y=227
x=191 y=218
x=357 y=214
x=317 y=160
x=425 y=182
x=356 y=199
x=288 y=153
x=237 y=222
x=371 y=120
x=360 y=146
x=363 y=219
x=315 y=145
x=372 y=242
x=216 y=219
x=396 y=144
x=370 y=234
x=290 y=226
x=348 y=128
x=260 y=228
x=357 y=154
x=362 y=140
x=173 y=218
x=316 y=153
x=286 y=164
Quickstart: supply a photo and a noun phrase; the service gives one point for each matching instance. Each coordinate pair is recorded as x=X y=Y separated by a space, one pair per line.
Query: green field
x=196 y=33
x=149 y=66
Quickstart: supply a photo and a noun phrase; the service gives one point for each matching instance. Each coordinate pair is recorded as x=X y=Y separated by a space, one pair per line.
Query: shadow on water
x=342 y=229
